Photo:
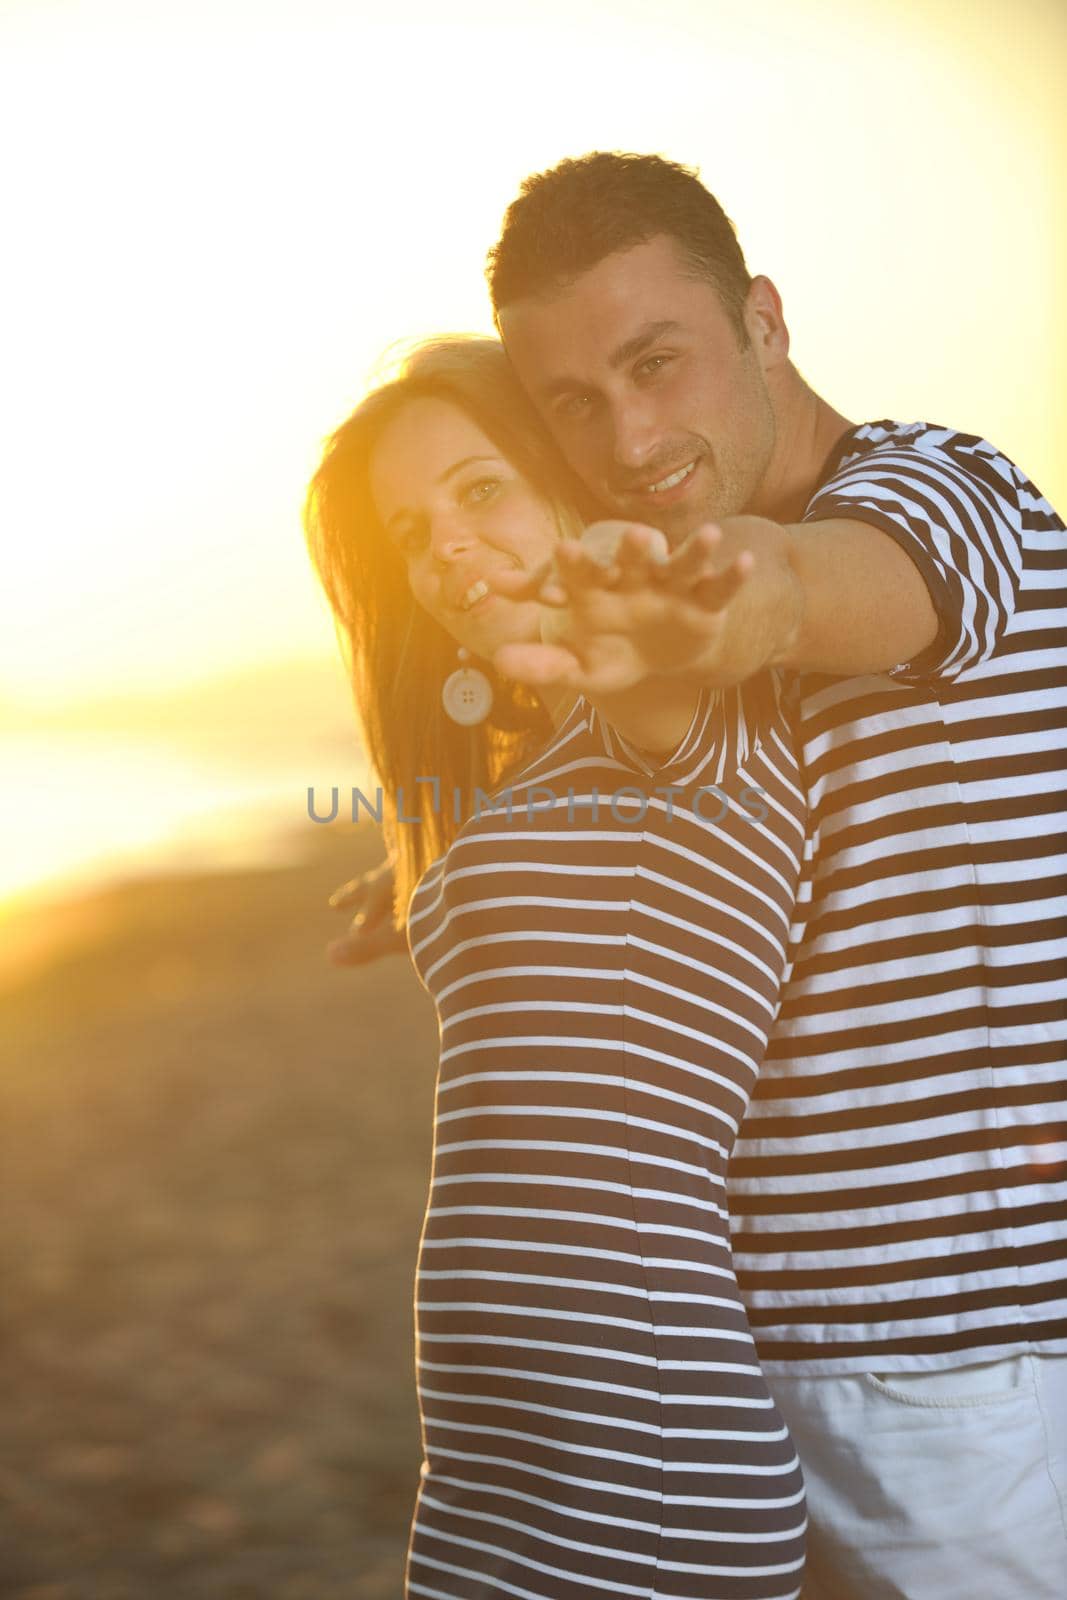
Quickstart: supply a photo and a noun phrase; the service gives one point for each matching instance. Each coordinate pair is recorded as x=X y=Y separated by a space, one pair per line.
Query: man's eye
x=573 y=405
x=651 y=365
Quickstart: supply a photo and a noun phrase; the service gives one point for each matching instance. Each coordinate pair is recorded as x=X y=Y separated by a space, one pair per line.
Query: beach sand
x=215 y=1150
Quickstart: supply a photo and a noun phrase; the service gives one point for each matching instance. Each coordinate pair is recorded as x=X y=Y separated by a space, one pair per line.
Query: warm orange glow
x=224 y=212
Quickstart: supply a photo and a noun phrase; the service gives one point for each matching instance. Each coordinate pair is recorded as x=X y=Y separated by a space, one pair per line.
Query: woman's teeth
x=675 y=478
x=476 y=592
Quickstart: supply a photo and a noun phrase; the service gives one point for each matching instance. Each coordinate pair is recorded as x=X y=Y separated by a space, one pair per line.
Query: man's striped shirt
x=899 y=1192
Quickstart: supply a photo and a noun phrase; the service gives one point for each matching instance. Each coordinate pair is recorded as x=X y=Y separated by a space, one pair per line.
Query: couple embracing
x=745 y=1242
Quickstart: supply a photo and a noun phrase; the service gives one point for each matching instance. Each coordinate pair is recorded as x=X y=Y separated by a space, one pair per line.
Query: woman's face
x=456 y=509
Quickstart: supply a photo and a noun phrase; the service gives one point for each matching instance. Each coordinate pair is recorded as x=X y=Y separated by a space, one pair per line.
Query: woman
x=603 y=935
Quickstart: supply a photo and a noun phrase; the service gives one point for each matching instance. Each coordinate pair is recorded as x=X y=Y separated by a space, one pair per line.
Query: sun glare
x=225 y=214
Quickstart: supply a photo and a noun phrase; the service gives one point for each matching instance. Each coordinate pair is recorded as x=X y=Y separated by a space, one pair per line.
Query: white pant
x=948 y=1485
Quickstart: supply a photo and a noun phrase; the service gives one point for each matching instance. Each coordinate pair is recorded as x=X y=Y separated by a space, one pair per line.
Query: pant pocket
x=986 y=1383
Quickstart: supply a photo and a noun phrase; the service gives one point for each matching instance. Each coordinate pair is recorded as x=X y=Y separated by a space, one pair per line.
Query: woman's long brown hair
x=396 y=655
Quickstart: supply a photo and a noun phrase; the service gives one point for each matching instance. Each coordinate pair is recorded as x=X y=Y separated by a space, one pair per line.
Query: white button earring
x=467 y=694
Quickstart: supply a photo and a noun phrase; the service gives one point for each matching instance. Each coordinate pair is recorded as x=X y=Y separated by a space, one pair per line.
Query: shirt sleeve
x=957 y=516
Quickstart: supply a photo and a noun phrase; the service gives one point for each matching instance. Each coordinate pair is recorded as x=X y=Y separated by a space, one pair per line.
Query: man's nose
x=635 y=432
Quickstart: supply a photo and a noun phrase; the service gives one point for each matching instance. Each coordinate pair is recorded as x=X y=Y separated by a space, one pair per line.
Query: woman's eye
x=481 y=489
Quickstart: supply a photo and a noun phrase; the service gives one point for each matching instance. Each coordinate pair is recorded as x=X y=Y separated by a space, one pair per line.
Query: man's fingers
x=639 y=543
x=697 y=557
x=517 y=584
x=540 y=584
x=370 y=895
x=580 y=569
x=360 y=945
x=628 y=568
x=698 y=568
x=613 y=555
x=538 y=664
x=371 y=933
x=642 y=557
x=715 y=593
x=546 y=665
x=349 y=894
x=608 y=556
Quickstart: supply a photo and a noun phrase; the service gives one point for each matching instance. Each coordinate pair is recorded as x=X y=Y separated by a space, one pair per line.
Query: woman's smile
x=457 y=510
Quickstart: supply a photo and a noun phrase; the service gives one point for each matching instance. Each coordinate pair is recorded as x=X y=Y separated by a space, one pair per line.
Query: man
x=899 y=1194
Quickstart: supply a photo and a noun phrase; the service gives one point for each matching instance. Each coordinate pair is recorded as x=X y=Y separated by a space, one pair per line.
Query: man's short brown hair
x=569 y=218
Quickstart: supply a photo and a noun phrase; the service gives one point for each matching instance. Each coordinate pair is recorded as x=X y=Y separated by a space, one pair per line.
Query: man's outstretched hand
x=618 y=608
x=371 y=933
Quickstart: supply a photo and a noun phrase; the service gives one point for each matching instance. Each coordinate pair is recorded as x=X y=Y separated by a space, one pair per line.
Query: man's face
x=639 y=372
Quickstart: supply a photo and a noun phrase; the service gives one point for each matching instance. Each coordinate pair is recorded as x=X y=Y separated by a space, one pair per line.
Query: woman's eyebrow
x=457 y=466
x=403 y=513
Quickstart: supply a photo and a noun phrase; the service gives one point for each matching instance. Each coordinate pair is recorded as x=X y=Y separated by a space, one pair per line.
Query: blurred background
x=218 y=217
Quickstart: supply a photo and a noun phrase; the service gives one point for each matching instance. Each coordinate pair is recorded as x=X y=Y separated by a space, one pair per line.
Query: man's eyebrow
x=634 y=346
x=640 y=342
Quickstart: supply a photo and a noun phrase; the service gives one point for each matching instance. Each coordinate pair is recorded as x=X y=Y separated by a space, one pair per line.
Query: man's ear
x=766 y=324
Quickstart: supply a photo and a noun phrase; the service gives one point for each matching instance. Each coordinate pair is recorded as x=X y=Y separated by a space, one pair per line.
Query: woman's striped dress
x=605 y=965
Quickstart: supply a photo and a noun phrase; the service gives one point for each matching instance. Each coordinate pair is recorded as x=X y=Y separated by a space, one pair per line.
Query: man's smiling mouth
x=672 y=481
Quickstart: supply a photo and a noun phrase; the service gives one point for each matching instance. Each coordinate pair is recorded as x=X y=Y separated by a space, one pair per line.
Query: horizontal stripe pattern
x=899 y=1190
x=595 y=1419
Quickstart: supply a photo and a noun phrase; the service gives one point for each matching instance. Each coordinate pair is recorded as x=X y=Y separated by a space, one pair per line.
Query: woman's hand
x=371 y=933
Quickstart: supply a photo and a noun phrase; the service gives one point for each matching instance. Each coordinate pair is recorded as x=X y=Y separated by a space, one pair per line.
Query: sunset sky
x=219 y=214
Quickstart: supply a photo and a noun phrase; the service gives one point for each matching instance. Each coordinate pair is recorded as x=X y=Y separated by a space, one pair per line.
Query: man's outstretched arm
x=838 y=596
